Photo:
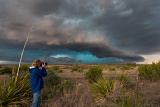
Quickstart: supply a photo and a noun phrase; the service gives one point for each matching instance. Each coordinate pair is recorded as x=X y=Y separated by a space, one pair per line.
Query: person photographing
x=36 y=80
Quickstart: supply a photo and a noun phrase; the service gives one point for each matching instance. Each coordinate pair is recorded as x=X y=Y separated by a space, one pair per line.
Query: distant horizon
x=16 y=63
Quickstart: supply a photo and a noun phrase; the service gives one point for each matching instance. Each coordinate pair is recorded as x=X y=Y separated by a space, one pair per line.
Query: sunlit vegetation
x=15 y=92
x=93 y=74
x=77 y=68
x=125 y=85
x=5 y=70
x=22 y=68
x=150 y=72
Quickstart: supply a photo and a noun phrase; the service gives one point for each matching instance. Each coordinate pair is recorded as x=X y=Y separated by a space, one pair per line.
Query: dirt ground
x=150 y=90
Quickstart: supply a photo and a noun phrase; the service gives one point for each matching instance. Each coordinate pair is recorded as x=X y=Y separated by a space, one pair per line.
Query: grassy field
x=118 y=86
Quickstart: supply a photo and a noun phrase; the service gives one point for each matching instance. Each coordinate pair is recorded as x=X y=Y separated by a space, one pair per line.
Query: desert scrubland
x=84 y=85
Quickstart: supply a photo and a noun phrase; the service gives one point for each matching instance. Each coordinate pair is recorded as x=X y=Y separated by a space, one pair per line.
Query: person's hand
x=43 y=65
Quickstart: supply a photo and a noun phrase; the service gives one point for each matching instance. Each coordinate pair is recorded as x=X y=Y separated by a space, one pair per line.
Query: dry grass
x=80 y=96
x=4 y=77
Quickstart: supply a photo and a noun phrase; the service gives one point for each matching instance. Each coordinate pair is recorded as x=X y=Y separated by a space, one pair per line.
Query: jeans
x=36 y=99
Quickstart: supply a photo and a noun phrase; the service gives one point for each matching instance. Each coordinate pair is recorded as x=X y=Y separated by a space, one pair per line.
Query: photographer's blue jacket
x=36 y=78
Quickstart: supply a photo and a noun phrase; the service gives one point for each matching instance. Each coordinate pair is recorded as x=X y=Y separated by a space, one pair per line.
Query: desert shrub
x=150 y=72
x=74 y=68
x=52 y=85
x=126 y=81
x=122 y=77
x=5 y=70
x=55 y=68
x=15 y=93
x=112 y=68
x=67 y=85
x=60 y=70
x=93 y=74
x=128 y=66
x=143 y=72
x=131 y=64
x=129 y=84
x=125 y=67
x=80 y=69
x=130 y=101
x=101 y=89
x=52 y=79
x=22 y=68
x=77 y=68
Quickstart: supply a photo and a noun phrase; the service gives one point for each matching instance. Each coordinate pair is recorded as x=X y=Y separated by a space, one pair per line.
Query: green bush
x=67 y=85
x=74 y=68
x=22 y=68
x=52 y=79
x=55 y=68
x=112 y=68
x=122 y=77
x=131 y=64
x=77 y=68
x=150 y=72
x=80 y=69
x=60 y=70
x=52 y=85
x=125 y=67
x=5 y=70
x=93 y=74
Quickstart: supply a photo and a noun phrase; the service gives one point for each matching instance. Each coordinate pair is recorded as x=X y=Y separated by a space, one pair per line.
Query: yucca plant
x=16 y=90
x=101 y=89
x=15 y=93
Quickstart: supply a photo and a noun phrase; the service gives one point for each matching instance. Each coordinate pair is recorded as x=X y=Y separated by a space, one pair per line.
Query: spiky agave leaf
x=101 y=89
x=14 y=93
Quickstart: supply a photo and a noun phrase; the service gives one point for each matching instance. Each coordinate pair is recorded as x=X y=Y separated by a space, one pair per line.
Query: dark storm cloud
x=97 y=49
x=63 y=60
x=41 y=7
x=123 y=29
x=70 y=8
x=101 y=50
x=133 y=25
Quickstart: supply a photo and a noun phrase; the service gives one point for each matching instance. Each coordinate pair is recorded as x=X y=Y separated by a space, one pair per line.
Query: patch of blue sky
x=86 y=57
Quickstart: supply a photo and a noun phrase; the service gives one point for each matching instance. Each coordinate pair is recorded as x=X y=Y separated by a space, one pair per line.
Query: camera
x=43 y=63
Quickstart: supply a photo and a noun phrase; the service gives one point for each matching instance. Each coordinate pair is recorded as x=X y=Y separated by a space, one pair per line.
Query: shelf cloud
x=120 y=29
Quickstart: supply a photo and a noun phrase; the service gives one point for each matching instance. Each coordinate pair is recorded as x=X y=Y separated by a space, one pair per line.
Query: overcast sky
x=80 y=31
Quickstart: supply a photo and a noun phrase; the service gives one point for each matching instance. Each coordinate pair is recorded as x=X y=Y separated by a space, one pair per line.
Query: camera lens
x=43 y=63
